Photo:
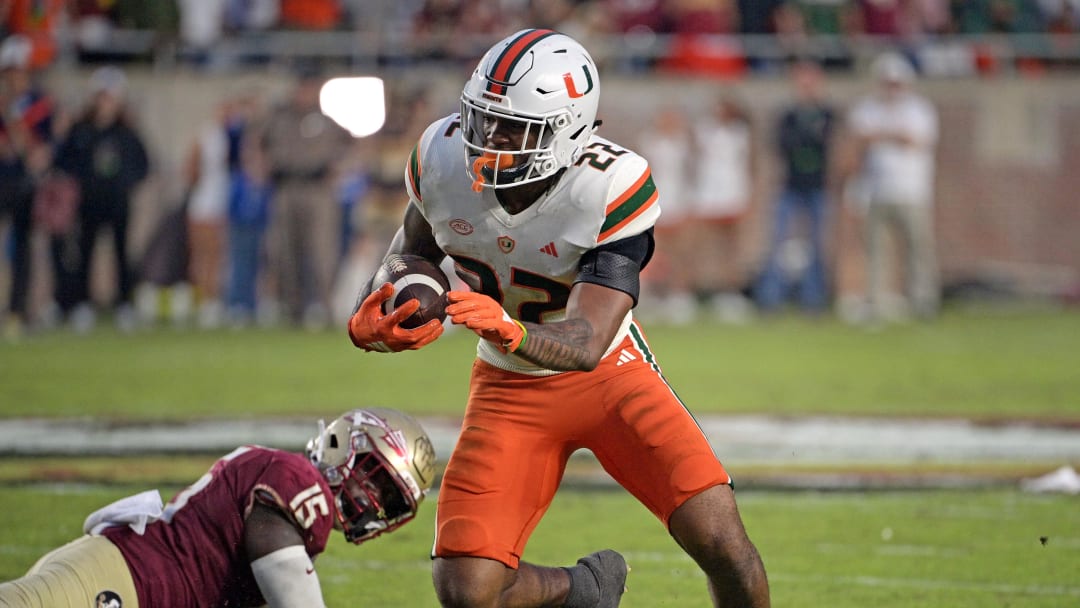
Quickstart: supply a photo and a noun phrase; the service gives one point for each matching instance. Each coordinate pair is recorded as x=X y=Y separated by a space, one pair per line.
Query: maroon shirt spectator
x=881 y=17
x=700 y=17
x=636 y=16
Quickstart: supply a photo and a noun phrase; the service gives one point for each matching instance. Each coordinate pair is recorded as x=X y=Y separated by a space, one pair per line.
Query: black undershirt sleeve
x=618 y=264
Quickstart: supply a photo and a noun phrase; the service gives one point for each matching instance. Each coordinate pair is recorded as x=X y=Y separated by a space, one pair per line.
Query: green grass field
x=987 y=366
x=844 y=550
x=938 y=548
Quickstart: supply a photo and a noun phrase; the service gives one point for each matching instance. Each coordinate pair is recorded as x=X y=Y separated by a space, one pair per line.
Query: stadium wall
x=1007 y=208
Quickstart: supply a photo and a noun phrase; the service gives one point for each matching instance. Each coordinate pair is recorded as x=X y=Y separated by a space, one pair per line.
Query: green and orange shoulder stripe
x=444 y=129
x=413 y=169
x=634 y=208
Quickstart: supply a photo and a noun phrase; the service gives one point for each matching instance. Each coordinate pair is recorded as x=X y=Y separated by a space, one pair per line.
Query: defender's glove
x=487 y=318
x=371 y=330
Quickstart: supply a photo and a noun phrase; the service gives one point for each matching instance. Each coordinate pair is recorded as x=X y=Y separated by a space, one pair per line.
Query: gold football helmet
x=380 y=464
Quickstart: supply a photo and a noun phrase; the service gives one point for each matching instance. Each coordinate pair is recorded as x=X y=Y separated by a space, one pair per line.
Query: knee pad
x=460 y=536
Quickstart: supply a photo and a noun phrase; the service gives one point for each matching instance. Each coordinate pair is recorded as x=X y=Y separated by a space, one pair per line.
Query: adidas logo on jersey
x=625 y=356
x=549 y=249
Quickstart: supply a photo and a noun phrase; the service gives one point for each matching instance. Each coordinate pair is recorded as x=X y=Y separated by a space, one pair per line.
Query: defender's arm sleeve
x=287 y=579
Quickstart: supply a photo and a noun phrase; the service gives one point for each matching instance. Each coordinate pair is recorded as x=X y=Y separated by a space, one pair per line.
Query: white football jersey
x=528 y=261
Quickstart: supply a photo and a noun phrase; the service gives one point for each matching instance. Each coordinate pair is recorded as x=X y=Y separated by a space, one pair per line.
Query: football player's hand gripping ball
x=371 y=330
x=487 y=318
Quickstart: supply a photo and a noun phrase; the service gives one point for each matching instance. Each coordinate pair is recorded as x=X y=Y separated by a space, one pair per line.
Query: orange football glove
x=371 y=330
x=487 y=318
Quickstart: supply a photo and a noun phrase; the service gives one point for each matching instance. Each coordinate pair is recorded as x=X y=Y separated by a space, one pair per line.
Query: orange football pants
x=519 y=431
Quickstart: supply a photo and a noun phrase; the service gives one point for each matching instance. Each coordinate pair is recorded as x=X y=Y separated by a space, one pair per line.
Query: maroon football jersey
x=194 y=555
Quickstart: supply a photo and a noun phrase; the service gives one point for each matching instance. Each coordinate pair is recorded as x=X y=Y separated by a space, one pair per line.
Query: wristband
x=521 y=343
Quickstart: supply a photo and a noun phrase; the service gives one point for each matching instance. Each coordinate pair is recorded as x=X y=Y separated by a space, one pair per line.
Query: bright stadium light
x=357 y=104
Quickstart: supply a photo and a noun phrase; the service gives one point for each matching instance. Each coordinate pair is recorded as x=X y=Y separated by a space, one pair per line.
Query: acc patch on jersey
x=461 y=227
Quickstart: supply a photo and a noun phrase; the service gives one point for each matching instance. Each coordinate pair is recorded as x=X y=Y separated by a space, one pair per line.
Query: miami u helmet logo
x=571 y=89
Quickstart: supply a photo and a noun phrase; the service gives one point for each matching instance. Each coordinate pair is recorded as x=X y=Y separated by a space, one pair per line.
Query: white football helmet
x=380 y=464
x=544 y=82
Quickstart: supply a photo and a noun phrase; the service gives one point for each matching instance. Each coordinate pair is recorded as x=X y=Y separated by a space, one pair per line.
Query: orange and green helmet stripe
x=508 y=59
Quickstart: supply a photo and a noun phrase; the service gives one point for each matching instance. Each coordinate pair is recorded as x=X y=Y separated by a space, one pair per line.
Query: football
x=414 y=277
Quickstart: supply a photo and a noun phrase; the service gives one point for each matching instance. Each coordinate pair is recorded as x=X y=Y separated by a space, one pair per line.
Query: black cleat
x=610 y=570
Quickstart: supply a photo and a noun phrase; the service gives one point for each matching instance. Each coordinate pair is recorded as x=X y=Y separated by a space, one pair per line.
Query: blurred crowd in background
x=281 y=211
x=730 y=36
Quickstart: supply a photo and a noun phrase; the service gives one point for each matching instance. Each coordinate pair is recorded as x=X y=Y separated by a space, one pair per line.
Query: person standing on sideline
x=306 y=219
x=105 y=154
x=804 y=136
x=27 y=122
x=250 y=194
x=723 y=191
x=665 y=285
x=896 y=131
x=207 y=172
x=549 y=225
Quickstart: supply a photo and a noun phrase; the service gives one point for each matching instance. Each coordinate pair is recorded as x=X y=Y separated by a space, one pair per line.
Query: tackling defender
x=246 y=532
x=550 y=226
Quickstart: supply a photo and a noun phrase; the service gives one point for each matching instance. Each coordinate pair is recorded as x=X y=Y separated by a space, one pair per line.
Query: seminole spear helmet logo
x=108 y=599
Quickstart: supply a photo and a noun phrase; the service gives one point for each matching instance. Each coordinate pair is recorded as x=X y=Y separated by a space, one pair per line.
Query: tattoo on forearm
x=559 y=346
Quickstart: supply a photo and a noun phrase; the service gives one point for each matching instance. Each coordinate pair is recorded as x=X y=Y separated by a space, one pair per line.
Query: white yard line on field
x=746 y=440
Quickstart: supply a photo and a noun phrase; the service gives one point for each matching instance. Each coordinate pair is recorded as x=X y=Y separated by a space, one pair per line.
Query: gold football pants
x=89 y=571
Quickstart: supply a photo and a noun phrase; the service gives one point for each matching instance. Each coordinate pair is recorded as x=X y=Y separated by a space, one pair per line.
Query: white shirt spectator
x=898 y=130
x=666 y=145
x=210 y=193
x=201 y=22
x=722 y=168
x=901 y=127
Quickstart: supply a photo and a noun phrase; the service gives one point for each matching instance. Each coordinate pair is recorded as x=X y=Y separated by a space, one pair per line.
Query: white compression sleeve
x=287 y=579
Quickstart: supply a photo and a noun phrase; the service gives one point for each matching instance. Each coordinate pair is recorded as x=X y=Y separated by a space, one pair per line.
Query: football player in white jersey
x=550 y=226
